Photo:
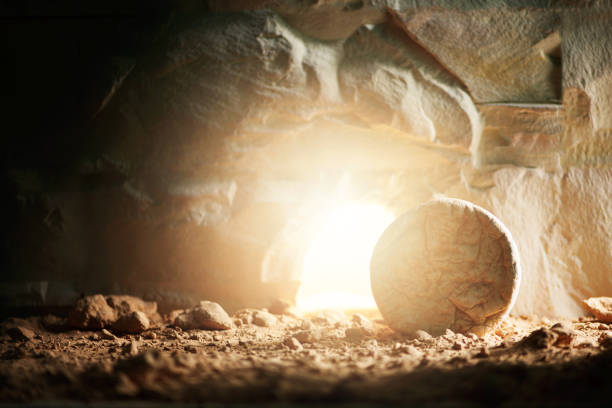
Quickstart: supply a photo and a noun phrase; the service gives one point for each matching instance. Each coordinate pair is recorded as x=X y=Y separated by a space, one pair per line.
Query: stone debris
x=239 y=365
x=131 y=348
x=123 y=304
x=150 y=335
x=207 y=315
x=54 y=323
x=293 y=344
x=91 y=313
x=422 y=335
x=330 y=318
x=354 y=334
x=565 y=334
x=107 y=335
x=308 y=336
x=600 y=307
x=245 y=316
x=264 y=319
x=363 y=323
x=307 y=324
x=97 y=312
x=132 y=322
x=21 y=333
x=280 y=307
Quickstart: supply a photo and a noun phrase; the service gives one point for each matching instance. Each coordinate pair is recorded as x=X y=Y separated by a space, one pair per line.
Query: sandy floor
x=322 y=358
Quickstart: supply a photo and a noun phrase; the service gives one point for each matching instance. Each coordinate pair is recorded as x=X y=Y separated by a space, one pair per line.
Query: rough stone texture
x=133 y=322
x=492 y=49
x=264 y=319
x=216 y=139
x=447 y=264
x=560 y=222
x=124 y=305
x=601 y=307
x=92 y=313
x=207 y=315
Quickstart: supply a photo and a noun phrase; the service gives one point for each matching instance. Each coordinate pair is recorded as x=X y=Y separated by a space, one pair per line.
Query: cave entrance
x=336 y=264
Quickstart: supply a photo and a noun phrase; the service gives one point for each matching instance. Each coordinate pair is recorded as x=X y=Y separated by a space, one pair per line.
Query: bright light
x=336 y=272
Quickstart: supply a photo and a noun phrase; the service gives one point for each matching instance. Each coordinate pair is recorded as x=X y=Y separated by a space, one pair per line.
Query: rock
x=91 y=313
x=308 y=336
x=106 y=335
x=364 y=323
x=150 y=335
x=539 y=339
x=131 y=348
x=123 y=305
x=280 y=307
x=483 y=353
x=207 y=315
x=422 y=335
x=264 y=319
x=415 y=285
x=54 y=323
x=329 y=317
x=600 y=307
x=244 y=315
x=21 y=333
x=293 y=344
x=307 y=324
x=132 y=322
x=565 y=334
x=354 y=334
x=605 y=340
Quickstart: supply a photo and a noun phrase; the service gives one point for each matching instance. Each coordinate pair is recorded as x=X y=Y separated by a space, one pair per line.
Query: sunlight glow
x=336 y=268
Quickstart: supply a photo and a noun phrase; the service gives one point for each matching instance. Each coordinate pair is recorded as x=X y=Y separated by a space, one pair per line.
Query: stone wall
x=198 y=172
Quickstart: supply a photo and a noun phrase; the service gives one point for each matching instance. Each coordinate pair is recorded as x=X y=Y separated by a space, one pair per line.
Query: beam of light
x=336 y=268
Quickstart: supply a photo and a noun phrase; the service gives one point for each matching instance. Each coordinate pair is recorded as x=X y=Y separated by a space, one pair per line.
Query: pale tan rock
x=601 y=307
x=264 y=319
x=445 y=265
x=207 y=315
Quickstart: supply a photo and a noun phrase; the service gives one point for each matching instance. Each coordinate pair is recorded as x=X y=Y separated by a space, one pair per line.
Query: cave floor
x=526 y=361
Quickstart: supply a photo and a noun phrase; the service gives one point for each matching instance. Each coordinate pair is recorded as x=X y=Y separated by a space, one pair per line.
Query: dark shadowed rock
x=91 y=313
x=133 y=322
x=20 y=333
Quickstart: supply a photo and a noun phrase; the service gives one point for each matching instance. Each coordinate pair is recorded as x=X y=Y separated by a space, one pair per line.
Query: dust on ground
x=329 y=357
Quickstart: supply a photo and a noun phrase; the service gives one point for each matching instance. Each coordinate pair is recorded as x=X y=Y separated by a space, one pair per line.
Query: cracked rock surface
x=446 y=265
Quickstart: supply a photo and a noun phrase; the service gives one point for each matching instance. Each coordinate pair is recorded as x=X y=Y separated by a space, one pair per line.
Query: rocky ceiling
x=178 y=152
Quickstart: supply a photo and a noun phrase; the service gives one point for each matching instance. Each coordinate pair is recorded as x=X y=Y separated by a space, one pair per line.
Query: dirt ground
x=329 y=357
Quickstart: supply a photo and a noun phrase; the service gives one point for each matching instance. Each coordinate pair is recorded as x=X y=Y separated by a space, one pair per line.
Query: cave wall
x=190 y=163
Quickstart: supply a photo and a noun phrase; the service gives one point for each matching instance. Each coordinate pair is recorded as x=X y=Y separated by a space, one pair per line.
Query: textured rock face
x=446 y=265
x=219 y=142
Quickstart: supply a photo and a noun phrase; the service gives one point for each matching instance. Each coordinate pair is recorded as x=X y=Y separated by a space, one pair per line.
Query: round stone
x=448 y=264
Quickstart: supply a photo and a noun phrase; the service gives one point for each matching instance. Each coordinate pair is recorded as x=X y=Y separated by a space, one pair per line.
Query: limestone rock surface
x=446 y=265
